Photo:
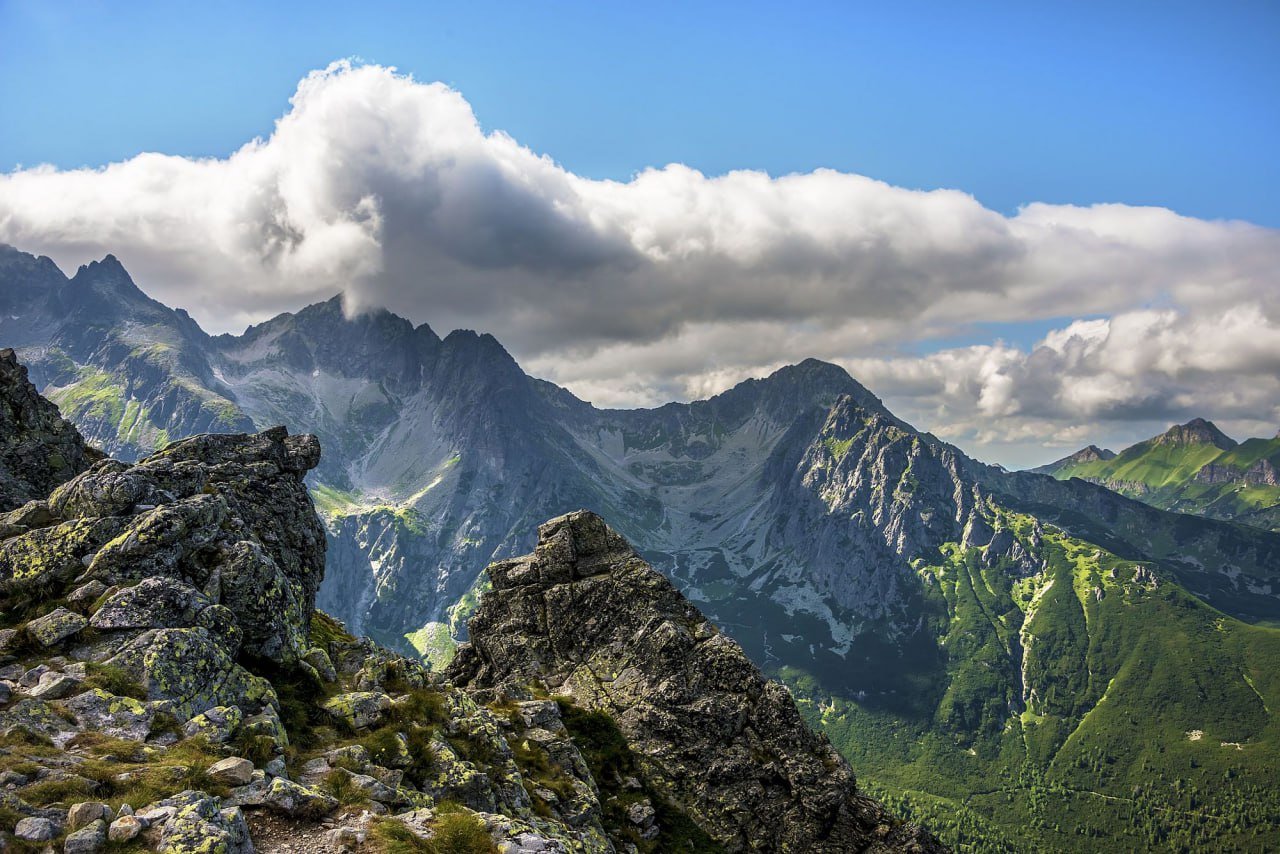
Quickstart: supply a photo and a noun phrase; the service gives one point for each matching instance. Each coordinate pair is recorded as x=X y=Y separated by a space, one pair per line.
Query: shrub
x=423 y=706
x=339 y=786
x=461 y=833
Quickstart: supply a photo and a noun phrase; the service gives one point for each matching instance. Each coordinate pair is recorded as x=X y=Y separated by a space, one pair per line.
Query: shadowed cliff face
x=585 y=616
x=38 y=448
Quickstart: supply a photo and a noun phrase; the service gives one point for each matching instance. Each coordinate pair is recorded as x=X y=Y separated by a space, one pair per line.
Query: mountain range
x=1190 y=468
x=1022 y=662
x=166 y=684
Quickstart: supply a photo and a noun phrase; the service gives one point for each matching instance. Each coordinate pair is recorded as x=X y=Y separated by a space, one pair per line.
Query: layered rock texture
x=586 y=617
x=38 y=449
x=166 y=684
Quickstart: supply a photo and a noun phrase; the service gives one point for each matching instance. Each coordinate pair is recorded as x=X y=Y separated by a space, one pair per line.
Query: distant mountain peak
x=1197 y=431
x=1087 y=454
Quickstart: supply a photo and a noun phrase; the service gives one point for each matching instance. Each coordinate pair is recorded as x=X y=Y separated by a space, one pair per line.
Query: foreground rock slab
x=585 y=616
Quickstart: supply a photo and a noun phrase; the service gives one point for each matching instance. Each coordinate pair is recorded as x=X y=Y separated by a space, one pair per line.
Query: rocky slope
x=586 y=617
x=1190 y=468
x=165 y=684
x=38 y=449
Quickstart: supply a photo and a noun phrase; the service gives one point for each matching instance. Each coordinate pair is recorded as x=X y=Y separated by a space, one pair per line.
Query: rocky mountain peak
x=1091 y=453
x=1197 y=431
x=1087 y=454
x=584 y=616
x=38 y=448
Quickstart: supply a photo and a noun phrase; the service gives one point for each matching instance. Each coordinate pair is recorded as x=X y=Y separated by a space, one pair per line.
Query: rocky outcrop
x=207 y=548
x=1197 y=431
x=1087 y=454
x=586 y=617
x=38 y=448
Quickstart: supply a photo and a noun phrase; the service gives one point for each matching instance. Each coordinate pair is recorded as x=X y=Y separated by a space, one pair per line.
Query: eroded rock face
x=38 y=448
x=585 y=616
x=213 y=535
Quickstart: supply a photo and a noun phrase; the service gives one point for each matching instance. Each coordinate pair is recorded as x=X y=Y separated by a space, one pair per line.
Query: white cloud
x=675 y=283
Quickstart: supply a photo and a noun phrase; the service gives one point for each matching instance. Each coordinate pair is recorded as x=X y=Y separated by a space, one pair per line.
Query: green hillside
x=1191 y=472
x=1090 y=706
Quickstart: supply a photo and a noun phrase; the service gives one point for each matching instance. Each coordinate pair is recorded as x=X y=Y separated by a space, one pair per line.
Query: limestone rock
x=124 y=828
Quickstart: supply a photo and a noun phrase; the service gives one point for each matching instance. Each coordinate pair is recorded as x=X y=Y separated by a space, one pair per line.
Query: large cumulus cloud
x=675 y=284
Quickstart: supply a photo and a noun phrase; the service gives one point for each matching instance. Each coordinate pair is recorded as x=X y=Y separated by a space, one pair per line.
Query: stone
x=319 y=659
x=359 y=710
x=125 y=828
x=55 y=686
x=87 y=593
x=34 y=829
x=55 y=627
x=192 y=670
x=217 y=725
x=296 y=801
x=31 y=678
x=233 y=771
x=90 y=839
x=641 y=813
x=152 y=603
x=87 y=812
x=276 y=768
x=122 y=717
x=199 y=826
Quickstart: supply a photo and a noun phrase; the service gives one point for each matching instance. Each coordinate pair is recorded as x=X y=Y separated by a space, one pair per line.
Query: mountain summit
x=1197 y=431
x=947 y=623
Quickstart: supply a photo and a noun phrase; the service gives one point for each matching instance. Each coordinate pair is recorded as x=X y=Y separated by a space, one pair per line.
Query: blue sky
x=1166 y=103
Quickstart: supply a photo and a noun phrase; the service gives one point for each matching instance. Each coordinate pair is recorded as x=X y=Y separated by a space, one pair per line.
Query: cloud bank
x=676 y=284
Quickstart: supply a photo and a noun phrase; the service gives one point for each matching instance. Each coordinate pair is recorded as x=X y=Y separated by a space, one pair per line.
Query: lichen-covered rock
x=38 y=448
x=359 y=709
x=585 y=616
x=52 y=556
x=153 y=603
x=55 y=627
x=191 y=669
x=122 y=717
x=38 y=717
x=200 y=826
x=291 y=799
x=217 y=725
x=211 y=522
